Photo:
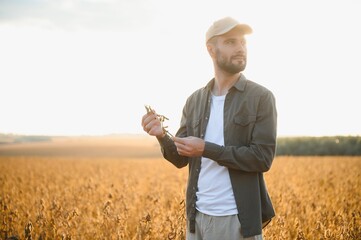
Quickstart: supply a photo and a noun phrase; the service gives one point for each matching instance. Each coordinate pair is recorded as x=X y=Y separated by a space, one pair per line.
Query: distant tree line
x=13 y=138
x=319 y=146
x=297 y=146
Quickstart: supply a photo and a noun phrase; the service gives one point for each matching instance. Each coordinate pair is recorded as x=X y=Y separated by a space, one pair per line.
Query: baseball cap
x=224 y=25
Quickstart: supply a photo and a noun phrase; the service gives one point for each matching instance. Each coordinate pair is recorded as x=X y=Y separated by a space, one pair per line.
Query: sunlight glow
x=94 y=76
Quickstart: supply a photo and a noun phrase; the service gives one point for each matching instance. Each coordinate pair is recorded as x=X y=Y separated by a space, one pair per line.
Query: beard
x=229 y=66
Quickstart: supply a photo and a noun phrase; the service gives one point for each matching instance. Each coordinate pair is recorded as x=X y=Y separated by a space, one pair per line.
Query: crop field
x=123 y=189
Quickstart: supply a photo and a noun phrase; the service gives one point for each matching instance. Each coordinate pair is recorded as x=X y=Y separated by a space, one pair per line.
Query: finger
x=154 y=124
x=145 y=128
x=179 y=140
x=147 y=124
x=181 y=148
x=183 y=153
x=147 y=119
x=148 y=127
x=143 y=119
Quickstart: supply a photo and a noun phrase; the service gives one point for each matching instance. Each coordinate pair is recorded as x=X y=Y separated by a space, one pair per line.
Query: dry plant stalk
x=161 y=118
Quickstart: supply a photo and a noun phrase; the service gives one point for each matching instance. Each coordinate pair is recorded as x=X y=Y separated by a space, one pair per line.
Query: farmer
x=227 y=137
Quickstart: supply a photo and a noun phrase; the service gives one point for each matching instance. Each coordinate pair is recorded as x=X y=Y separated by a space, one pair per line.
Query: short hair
x=213 y=40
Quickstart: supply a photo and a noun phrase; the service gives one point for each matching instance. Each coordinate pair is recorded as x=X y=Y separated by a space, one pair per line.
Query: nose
x=241 y=47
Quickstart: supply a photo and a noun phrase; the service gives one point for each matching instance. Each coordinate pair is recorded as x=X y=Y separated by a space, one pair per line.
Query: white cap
x=224 y=25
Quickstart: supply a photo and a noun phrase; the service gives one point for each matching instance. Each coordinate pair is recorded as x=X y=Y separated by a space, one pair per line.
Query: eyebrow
x=234 y=39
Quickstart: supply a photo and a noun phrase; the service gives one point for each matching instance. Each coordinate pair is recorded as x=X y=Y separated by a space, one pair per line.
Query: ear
x=211 y=49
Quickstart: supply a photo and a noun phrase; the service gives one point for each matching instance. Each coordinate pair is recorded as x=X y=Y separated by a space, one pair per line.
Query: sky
x=87 y=67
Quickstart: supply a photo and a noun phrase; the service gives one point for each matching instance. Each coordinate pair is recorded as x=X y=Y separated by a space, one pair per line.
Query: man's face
x=231 y=52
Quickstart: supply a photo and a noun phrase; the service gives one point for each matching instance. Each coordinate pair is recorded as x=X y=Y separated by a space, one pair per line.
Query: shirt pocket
x=193 y=127
x=244 y=120
x=244 y=124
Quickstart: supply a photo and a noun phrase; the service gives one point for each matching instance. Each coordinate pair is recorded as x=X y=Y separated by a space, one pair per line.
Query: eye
x=230 y=41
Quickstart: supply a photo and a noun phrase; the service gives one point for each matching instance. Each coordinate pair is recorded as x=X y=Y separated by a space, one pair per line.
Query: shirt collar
x=240 y=85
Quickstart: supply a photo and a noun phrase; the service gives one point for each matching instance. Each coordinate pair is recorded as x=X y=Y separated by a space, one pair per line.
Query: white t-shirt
x=215 y=195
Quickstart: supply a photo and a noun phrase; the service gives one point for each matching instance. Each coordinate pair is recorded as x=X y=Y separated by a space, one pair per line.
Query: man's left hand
x=189 y=146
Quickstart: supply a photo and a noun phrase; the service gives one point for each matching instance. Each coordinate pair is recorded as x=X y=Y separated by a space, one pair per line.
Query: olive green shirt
x=250 y=129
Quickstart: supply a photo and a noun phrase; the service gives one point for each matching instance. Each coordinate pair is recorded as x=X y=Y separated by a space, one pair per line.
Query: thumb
x=178 y=140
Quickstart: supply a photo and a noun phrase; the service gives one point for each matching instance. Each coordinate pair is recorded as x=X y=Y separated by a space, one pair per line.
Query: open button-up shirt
x=250 y=127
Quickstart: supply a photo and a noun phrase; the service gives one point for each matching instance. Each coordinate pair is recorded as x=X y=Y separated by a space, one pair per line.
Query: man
x=227 y=137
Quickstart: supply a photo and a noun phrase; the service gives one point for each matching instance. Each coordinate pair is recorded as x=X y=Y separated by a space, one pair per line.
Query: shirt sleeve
x=168 y=148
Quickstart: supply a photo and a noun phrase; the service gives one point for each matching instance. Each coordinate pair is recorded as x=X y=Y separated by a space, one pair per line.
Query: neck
x=223 y=82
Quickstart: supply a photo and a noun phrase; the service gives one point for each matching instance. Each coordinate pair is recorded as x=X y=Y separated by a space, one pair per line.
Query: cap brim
x=243 y=28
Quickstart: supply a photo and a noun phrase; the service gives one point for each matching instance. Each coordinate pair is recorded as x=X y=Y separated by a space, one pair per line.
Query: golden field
x=121 y=188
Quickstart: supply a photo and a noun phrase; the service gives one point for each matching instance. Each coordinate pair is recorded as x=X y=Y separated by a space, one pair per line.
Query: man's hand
x=189 y=146
x=152 y=125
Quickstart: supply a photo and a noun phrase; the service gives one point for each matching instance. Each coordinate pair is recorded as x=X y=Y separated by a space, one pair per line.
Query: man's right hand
x=152 y=125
